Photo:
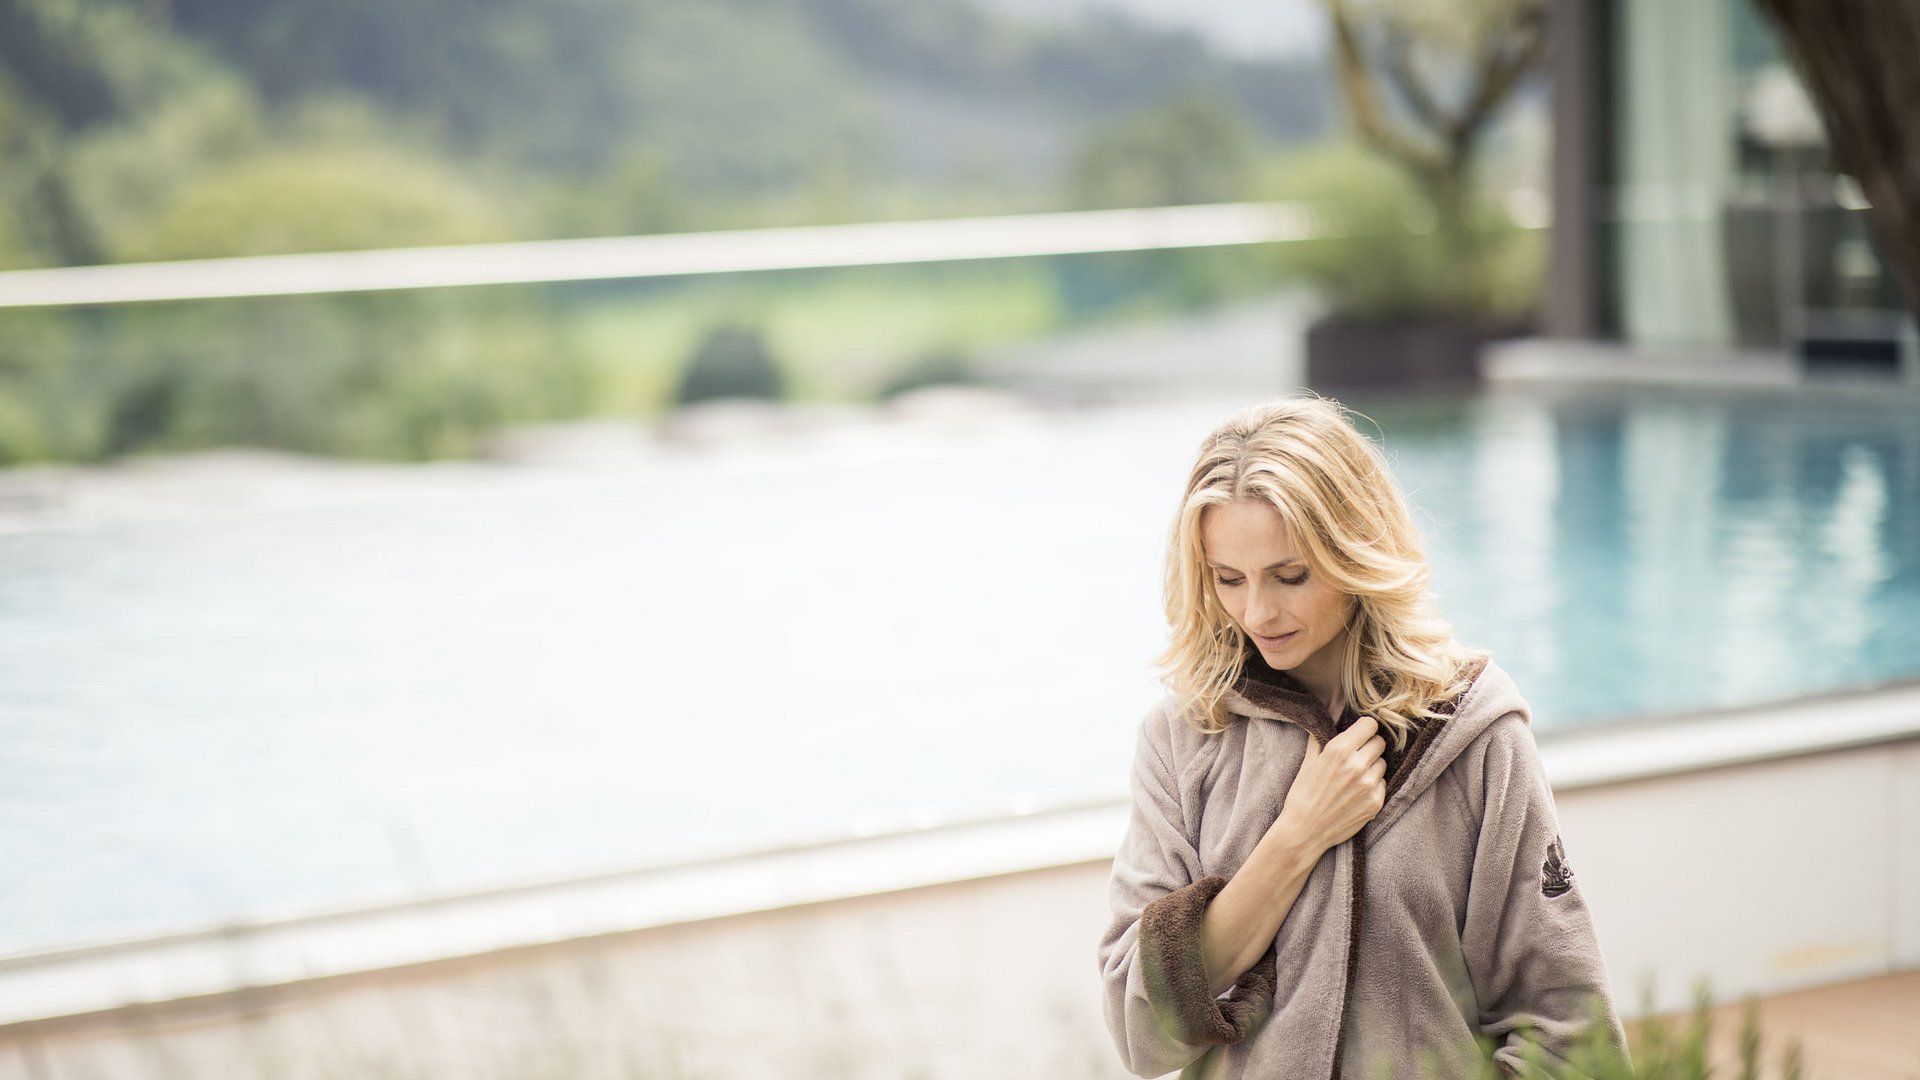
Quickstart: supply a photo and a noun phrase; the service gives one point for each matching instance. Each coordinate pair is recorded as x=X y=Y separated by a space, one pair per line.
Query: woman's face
x=1263 y=583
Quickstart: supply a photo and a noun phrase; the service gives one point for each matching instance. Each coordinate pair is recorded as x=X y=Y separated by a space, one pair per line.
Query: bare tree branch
x=1400 y=71
x=1502 y=62
x=1497 y=50
x=1356 y=84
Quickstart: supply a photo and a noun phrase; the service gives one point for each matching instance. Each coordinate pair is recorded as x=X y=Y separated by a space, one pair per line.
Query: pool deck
x=1863 y=1029
x=1578 y=365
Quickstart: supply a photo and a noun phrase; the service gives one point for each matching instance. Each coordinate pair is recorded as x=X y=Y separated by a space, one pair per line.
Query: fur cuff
x=1176 y=974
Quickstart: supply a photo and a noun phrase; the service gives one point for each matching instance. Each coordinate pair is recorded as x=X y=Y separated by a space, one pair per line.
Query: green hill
x=593 y=115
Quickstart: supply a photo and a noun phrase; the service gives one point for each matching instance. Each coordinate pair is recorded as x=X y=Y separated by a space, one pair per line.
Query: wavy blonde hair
x=1330 y=484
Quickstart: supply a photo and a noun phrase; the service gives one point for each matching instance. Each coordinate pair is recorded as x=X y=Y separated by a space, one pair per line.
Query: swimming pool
x=444 y=677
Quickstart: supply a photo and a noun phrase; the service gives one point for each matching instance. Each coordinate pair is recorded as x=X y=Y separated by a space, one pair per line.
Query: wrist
x=1290 y=832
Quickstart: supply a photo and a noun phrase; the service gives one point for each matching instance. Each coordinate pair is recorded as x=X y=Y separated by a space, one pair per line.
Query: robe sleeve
x=1156 y=997
x=1529 y=939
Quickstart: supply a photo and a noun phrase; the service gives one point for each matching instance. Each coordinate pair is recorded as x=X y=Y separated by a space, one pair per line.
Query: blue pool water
x=423 y=679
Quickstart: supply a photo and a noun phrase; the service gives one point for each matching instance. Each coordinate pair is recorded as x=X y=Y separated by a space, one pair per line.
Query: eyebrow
x=1283 y=562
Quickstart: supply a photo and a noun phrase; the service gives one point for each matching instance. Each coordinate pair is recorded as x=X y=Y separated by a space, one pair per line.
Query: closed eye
x=1228 y=583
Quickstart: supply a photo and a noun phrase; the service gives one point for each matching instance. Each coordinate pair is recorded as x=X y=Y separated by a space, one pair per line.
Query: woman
x=1339 y=817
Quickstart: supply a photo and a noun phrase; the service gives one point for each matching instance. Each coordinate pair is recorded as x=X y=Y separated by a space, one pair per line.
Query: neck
x=1322 y=675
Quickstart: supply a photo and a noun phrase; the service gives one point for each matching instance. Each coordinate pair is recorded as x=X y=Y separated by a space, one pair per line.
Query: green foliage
x=758 y=104
x=41 y=382
x=30 y=222
x=636 y=193
x=1196 y=148
x=743 y=96
x=941 y=367
x=1656 y=1051
x=1383 y=255
x=92 y=62
x=404 y=376
x=1144 y=283
x=839 y=335
x=196 y=128
x=116 y=110
x=732 y=361
x=316 y=199
x=1192 y=149
x=119 y=177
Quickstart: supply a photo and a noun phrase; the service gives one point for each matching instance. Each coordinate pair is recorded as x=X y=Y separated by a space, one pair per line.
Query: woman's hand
x=1339 y=788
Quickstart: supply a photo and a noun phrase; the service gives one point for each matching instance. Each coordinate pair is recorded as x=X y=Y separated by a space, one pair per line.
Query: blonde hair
x=1330 y=484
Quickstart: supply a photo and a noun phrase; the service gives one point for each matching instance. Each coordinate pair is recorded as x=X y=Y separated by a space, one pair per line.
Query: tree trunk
x=1860 y=61
x=1450 y=192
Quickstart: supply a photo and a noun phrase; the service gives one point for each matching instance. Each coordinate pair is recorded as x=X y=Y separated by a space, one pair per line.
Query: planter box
x=1413 y=350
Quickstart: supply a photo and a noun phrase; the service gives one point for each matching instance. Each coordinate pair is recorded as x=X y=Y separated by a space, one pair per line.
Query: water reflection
x=1517 y=488
x=1660 y=551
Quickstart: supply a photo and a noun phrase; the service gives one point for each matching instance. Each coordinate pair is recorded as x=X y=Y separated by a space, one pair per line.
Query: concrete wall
x=991 y=977
x=1767 y=875
x=1762 y=877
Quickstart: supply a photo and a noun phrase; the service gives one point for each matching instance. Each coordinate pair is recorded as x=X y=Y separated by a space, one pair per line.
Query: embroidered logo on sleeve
x=1556 y=877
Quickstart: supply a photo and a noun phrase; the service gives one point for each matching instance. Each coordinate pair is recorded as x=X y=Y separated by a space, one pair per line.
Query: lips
x=1273 y=642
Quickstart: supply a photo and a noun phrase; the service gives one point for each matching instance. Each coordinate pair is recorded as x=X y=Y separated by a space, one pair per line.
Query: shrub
x=940 y=367
x=731 y=361
x=1659 y=1052
x=1385 y=257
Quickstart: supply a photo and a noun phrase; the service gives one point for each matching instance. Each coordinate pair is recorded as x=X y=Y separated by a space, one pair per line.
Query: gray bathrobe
x=1454 y=913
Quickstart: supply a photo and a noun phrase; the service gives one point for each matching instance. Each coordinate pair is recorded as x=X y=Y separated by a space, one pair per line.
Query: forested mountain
x=123 y=122
x=138 y=130
x=573 y=81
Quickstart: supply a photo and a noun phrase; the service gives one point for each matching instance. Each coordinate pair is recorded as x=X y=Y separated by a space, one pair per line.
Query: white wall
x=1762 y=877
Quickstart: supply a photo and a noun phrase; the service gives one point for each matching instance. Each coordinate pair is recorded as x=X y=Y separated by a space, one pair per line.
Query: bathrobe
x=1454 y=914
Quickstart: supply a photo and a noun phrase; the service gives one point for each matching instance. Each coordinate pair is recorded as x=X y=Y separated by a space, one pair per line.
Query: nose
x=1263 y=603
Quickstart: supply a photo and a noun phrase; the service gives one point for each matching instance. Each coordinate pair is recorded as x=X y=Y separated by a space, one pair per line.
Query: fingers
x=1363 y=738
x=1377 y=772
x=1362 y=730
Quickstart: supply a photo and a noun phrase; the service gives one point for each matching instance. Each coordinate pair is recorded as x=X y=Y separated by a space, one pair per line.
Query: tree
x=1189 y=149
x=1856 y=58
x=1449 y=66
x=731 y=361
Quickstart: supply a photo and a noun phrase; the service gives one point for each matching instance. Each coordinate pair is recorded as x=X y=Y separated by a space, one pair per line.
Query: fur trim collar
x=1266 y=693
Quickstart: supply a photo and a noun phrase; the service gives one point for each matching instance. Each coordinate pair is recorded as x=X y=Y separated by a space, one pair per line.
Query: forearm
x=1242 y=920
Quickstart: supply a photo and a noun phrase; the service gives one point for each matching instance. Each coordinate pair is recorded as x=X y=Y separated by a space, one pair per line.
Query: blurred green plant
x=316 y=198
x=407 y=376
x=197 y=128
x=732 y=361
x=1656 y=1050
x=399 y=376
x=1449 y=66
x=940 y=367
x=1659 y=1050
x=1383 y=254
x=1191 y=149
